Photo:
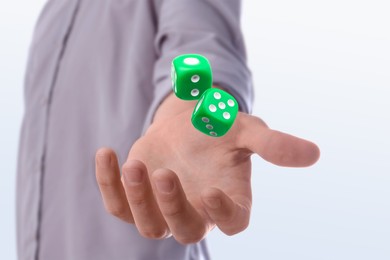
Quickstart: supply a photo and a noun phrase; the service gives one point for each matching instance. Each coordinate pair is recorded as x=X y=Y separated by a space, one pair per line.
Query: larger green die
x=215 y=112
x=191 y=76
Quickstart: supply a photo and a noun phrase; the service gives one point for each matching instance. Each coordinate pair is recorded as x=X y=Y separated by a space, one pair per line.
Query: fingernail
x=165 y=186
x=133 y=176
x=103 y=161
x=213 y=203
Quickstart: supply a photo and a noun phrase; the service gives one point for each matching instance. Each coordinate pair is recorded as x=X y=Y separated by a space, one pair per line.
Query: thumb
x=275 y=147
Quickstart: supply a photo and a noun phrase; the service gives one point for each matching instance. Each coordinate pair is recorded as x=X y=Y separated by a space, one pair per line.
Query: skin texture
x=178 y=181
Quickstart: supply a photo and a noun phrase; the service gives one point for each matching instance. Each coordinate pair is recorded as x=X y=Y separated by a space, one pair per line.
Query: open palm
x=179 y=181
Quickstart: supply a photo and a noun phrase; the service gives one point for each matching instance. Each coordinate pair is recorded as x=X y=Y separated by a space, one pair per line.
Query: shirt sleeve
x=207 y=27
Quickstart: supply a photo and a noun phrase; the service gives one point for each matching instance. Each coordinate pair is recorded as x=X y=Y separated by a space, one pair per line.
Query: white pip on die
x=215 y=112
x=191 y=76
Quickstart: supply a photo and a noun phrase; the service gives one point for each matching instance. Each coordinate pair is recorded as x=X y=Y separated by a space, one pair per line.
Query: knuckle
x=260 y=121
x=137 y=201
x=104 y=180
x=174 y=210
x=138 y=197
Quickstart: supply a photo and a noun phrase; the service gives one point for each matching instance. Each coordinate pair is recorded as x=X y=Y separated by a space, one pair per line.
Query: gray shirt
x=97 y=71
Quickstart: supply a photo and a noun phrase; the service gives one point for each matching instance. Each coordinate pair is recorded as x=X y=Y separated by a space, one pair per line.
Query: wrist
x=172 y=106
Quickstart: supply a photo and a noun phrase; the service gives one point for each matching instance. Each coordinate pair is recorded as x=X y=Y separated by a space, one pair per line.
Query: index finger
x=110 y=185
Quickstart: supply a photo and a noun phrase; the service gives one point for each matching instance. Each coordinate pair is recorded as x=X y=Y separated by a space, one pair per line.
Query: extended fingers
x=109 y=181
x=230 y=216
x=274 y=146
x=185 y=223
x=139 y=193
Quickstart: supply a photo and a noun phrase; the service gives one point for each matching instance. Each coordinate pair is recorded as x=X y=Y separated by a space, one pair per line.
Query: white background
x=322 y=72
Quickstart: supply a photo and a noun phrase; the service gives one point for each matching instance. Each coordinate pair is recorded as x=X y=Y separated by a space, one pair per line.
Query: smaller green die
x=191 y=76
x=215 y=112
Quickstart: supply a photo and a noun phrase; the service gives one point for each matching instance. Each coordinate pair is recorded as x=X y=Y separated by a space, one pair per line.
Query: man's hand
x=179 y=181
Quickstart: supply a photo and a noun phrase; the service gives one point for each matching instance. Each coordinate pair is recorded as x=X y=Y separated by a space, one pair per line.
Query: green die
x=215 y=112
x=191 y=76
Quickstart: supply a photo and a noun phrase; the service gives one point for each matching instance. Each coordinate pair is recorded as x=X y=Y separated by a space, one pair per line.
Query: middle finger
x=147 y=216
